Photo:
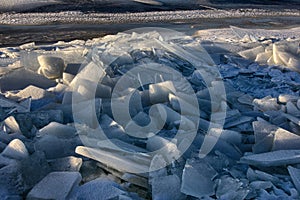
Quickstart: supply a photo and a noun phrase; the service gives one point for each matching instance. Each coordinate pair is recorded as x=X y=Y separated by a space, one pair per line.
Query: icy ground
x=153 y=114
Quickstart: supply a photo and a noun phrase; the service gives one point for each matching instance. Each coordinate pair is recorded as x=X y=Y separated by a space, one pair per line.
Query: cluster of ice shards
x=149 y=114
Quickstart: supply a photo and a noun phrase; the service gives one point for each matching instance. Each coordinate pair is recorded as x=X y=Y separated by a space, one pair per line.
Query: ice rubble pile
x=46 y=152
x=282 y=53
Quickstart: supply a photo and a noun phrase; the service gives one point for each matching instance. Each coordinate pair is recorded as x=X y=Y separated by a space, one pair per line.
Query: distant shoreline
x=71 y=17
x=20 y=28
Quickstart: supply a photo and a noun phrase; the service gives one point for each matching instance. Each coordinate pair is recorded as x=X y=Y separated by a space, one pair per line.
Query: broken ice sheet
x=34 y=92
x=120 y=160
x=219 y=144
x=136 y=180
x=168 y=149
x=229 y=136
x=39 y=97
x=87 y=112
x=237 y=108
x=22 y=106
x=293 y=119
x=119 y=145
x=15 y=150
x=88 y=90
x=140 y=125
x=164 y=114
x=100 y=188
x=9 y=67
x=47 y=187
x=58 y=130
x=55 y=147
x=69 y=163
x=21 y=124
x=123 y=108
x=50 y=66
x=157 y=167
x=111 y=129
x=239 y=121
x=92 y=72
x=269 y=137
x=21 y=78
x=203 y=61
x=265 y=104
x=295 y=175
x=256 y=175
x=274 y=158
x=230 y=188
x=285 y=140
x=292 y=109
x=197 y=179
x=159 y=92
x=184 y=104
x=166 y=187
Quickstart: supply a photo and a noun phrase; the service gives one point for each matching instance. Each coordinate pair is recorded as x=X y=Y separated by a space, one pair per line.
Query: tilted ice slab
x=197 y=179
x=21 y=78
x=56 y=185
x=295 y=175
x=274 y=158
x=120 y=160
x=269 y=137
